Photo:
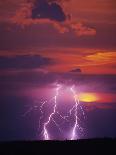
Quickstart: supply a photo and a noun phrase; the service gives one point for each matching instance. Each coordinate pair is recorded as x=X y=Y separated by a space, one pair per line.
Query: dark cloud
x=49 y=10
x=77 y=70
x=29 y=79
x=24 y=62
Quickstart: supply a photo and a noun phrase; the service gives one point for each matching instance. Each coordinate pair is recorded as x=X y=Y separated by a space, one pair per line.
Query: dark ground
x=91 y=146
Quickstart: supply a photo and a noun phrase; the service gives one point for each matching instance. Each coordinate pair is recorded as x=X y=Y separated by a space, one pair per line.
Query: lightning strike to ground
x=76 y=125
x=75 y=110
x=46 y=134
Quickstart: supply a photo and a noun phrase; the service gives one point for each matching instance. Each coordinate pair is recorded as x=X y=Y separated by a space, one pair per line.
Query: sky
x=44 y=42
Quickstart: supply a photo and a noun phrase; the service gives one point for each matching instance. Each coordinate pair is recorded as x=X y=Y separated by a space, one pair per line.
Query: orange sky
x=92 y=62
x=86 y=41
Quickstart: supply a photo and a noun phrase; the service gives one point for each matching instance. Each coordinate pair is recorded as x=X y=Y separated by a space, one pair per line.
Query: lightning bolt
x=75 y=111
x=46 y=133
x=76 y=125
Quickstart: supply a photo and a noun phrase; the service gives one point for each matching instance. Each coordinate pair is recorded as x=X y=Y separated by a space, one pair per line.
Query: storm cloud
x=24 y=62
x=77 y=70
x=44 y=9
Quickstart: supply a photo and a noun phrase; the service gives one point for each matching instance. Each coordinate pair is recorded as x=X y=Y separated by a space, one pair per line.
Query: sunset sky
x=79 y=34
x=43 y=41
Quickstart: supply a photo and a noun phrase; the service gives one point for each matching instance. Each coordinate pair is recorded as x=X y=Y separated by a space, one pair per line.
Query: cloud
x=24 y=62
x=42 y=9
x=77 y=70
x=52 y=13
x=102 y=57
x=82 y=30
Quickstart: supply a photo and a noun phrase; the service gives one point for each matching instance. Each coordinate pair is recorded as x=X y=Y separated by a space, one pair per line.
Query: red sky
x=86 y=40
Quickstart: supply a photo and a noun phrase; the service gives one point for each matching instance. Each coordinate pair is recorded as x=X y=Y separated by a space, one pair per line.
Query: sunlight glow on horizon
x=88 y=97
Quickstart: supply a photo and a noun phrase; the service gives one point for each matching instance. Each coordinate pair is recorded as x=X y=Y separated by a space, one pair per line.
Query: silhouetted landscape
x=94 y=146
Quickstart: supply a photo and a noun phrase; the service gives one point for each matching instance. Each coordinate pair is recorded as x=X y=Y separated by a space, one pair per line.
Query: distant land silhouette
x=87 y=146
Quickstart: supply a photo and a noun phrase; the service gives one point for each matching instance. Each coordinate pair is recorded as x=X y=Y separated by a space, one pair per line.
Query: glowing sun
x=88 y=97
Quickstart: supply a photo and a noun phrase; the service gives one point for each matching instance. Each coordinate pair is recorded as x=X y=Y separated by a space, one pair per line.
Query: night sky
x=48 y=42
